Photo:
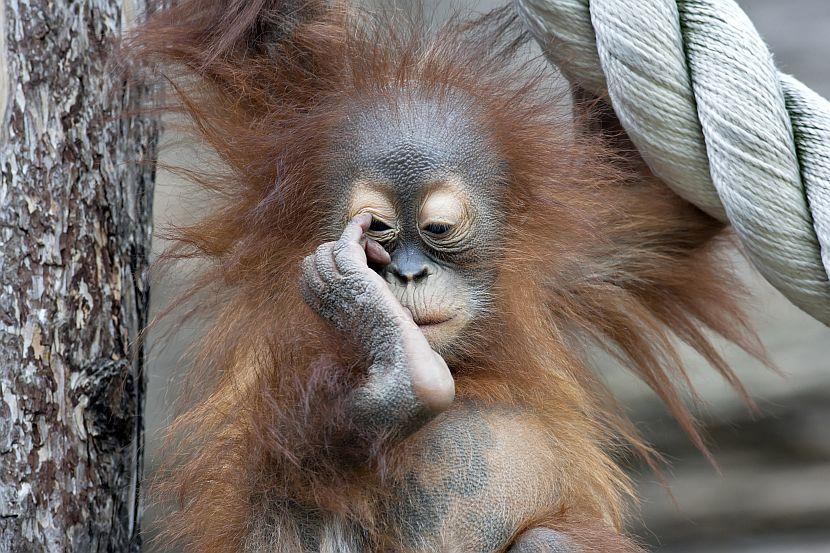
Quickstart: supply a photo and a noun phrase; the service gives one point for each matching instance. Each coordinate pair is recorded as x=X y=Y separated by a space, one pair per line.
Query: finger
x=349 y=259
x=356 y=227
x=308 y=295
x=349 y=254
x=325 y=264
x=308 y=286
x=311 y=277
x=375 y=253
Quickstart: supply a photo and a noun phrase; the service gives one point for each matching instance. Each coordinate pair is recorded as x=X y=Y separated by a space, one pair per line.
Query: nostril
x=421 y=274
x=409 y=274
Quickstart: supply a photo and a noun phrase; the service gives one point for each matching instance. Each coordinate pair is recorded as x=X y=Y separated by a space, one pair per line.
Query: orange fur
x=596 y=253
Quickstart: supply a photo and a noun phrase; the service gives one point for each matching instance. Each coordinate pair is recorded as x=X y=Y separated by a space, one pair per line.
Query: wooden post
x=76 y=185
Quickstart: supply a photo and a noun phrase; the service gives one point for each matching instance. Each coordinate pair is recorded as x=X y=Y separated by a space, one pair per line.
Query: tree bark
x=76 y=183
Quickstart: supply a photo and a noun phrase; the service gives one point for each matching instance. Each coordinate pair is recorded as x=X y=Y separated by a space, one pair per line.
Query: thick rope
x=696 y=89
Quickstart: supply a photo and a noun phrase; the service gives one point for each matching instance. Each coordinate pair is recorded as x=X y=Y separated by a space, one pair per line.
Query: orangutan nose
x=408 y=266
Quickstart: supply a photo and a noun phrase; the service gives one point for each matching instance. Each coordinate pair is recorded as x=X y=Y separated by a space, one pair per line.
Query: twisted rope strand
x=696 y=89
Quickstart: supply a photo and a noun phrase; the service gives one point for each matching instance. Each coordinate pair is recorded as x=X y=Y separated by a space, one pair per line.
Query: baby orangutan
x=457 y=246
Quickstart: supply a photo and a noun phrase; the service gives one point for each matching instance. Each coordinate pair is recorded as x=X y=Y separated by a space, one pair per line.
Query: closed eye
x=378 y=226
x=437 y=228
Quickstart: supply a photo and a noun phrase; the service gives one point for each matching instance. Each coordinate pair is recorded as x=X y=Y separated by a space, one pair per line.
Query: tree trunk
x=76 y=183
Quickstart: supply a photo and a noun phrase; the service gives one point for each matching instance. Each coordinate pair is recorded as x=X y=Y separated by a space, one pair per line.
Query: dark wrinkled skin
x=460 y=442
x=338 y=284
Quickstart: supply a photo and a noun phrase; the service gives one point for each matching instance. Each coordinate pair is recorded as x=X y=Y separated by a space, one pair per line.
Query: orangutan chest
x=471 y=479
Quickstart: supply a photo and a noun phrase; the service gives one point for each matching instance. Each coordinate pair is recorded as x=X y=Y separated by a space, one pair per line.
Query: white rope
x=696 y=89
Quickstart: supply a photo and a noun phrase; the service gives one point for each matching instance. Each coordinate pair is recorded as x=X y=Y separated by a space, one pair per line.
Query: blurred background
x=772 y=490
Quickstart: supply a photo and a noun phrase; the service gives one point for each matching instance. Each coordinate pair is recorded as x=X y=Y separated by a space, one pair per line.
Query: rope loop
x=695 y=87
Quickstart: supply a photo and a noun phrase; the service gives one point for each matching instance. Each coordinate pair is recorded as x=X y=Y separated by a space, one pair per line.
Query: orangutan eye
x=381 y=231
x=437 y=229
x=378 y=225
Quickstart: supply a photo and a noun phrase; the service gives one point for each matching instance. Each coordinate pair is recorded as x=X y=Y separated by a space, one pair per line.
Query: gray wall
x=773 y=493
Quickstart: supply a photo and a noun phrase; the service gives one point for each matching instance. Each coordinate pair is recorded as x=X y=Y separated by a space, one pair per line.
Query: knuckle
x=307 y=264
x=308 y=294
x=340 y=247
x=343 y=257
x=348 y=260
x=323 y=249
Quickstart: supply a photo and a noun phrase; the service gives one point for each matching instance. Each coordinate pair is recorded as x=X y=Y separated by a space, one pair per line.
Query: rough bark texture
x=76 y=179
